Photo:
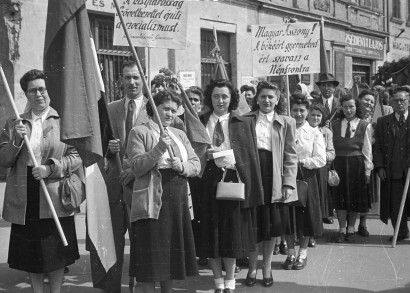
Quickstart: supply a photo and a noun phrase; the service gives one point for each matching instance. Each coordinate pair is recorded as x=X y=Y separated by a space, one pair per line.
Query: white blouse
x=367 y=143
x=210 y=127
x=36 y=135
x=263 y=130
x=310 y=147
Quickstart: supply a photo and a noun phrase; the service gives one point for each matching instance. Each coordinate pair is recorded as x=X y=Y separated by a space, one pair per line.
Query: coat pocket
x=139 y=205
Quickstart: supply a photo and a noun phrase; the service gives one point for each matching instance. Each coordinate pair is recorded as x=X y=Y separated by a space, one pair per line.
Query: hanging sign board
x=284 y=49
x=153 y=23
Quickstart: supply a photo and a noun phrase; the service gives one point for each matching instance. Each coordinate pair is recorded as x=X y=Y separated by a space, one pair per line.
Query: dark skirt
x=351 y=194
x=36 y=247
x=309 y=218
x=269 y=216
x=164 y=249
x=227 y=230
x=326 y=204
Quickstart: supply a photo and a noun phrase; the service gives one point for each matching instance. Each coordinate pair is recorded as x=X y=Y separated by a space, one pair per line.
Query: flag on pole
x=71 y=77
x=74 y=85
x=324 y=64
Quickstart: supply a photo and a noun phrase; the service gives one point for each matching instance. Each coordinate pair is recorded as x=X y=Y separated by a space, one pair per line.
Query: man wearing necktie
x=125 y=114
x=327 y=85
x=391 y=160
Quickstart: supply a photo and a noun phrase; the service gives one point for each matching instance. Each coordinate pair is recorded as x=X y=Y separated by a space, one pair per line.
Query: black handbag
x=301 y=190
x=72 y=191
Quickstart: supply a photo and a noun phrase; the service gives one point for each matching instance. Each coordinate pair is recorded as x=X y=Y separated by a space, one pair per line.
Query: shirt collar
x=43 y=117
x=330 y=101
x=269 y=117
x=127 y=100
x=220 y=118
x=406 y=114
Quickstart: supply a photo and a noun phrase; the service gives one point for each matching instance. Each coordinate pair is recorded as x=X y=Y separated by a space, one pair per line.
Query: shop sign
x=364 y=46
x=400 y=49
x=100 y=5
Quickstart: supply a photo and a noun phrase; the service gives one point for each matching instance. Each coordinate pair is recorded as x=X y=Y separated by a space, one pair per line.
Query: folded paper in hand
x=224 y=159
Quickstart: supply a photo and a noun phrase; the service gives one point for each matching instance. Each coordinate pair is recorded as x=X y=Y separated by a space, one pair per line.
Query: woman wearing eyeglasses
x=35 y=245
x=275 y=139
x=352 y=139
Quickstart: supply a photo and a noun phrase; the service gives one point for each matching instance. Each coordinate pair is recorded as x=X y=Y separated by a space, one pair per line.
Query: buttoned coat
x=382 y=154
x=285 y=159
x=242 y=137
x=335 y=107
x=15 y=157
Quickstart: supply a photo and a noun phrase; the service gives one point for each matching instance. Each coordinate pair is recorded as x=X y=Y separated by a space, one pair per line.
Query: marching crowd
x=288 y=174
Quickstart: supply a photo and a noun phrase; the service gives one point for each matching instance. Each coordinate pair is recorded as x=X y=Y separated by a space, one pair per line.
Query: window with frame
x=110 y=57
x=396 y=9
x=209 y=68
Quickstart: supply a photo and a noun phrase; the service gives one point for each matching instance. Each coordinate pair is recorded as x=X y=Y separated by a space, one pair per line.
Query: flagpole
x=144 y=81
x=400 y=215
x=33 y=158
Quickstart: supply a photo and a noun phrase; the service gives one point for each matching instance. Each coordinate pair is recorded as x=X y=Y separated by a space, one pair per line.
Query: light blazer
x=284 y=155
x=117 y=114
x=144 y=152
x=15 y=157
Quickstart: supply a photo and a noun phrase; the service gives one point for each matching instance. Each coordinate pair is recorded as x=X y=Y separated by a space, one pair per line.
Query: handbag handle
x=237 y=174
x=301 y=172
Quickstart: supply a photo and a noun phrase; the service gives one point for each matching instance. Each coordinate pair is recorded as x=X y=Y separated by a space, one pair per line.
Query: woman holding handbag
x=275 y=139
x=228 y=226
x=35 y=244
x=315 y=119
x=311 y=152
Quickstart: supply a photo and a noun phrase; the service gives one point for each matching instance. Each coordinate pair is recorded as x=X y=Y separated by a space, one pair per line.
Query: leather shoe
x=400 y=237
x=300 y=263
x=340 y=238
x=350 y=237
x=202 y=261
x=312 y=242
x=328 y=220
x=283 y=248
x=362 y=231
x=289 y=262
x=218 y=290
x=249 y=281
x=237 y=269
x=227 y=290
x=268 y=282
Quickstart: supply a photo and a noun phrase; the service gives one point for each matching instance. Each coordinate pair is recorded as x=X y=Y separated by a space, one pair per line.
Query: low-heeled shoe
x=249 y=281
x=340 y=238
x=283 y=248
x=218 y=290
x=328 y=220
x=300 y=263
x=227 y=290
x=289 y=262
x=268 y=282
x=312 y=242
x=350 y=237
x=362 y=231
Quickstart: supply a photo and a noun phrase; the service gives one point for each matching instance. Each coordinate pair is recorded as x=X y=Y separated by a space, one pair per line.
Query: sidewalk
x=369 y=265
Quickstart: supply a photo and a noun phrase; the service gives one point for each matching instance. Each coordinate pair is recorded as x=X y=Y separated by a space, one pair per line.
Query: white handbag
x=230 y=190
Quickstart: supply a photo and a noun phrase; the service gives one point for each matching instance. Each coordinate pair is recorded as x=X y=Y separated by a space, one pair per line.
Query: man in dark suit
x=391 y=160
x=327 y=85
x=125 y=114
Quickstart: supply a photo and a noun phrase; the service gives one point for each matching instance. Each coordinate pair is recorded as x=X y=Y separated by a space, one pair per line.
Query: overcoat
x=242 y=137
x=382 y=155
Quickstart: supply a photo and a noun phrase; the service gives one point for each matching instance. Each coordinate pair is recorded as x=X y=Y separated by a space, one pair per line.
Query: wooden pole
x=33 y=158
x=142 y=74
x=403 y=202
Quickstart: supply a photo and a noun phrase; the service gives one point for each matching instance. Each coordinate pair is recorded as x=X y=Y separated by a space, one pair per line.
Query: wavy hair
x=221 y=83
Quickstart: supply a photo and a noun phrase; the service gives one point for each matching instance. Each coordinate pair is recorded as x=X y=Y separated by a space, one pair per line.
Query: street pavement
x=369 y=265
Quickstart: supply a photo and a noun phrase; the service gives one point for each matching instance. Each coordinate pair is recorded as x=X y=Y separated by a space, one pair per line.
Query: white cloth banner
x=284 y=49
x=153 y=23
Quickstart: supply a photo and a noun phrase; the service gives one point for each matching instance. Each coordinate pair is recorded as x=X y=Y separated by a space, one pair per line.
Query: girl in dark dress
x=352 y=138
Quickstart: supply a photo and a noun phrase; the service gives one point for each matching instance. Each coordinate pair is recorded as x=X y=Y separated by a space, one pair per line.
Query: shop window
x=209 y=69
x=110 y=57
x=376 y=5
x=396 y=9
x=366 y=3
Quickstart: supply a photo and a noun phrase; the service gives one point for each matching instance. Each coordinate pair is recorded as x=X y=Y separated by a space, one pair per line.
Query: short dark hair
x=261 y=86
x=404 y=88
x=29 y=76
x=299 y=99
x=233 y=105
x=195 y=90
x=321 y=109
x=246 y=88
x=130 y=63
x=366 y=92
x=360 y=110
x=160 y=98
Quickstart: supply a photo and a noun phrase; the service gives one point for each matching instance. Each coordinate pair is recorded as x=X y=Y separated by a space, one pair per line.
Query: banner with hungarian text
x=153 y=23
x=284 y=49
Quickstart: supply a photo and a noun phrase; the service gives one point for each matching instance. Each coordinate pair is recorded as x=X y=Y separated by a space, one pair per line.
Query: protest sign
x=283 y=49
x=187 y=79
x=153 y=23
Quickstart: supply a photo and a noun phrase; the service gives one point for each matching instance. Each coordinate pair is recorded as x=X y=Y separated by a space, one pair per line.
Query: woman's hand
x=114 y=146
x=41 y=172
x=164 y=141
x=176 y=164
x=287 y=191
x=209 y=154
x=20 y=131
